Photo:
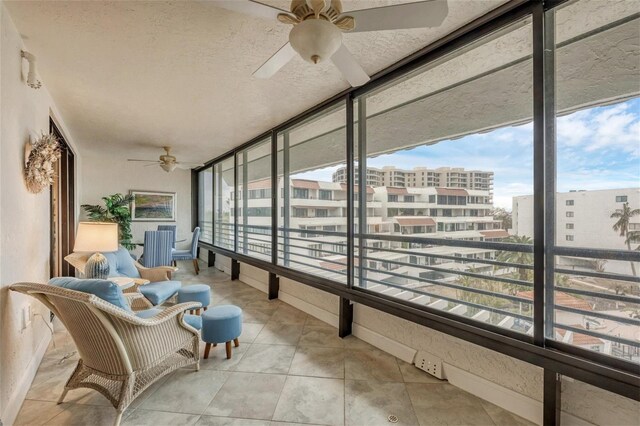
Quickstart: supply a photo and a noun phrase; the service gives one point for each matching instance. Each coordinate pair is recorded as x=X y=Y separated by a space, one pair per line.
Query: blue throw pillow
x=104 y=289
x=121 y=264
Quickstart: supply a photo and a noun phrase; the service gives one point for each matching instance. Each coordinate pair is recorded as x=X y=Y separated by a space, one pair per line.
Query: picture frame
x=153 y=206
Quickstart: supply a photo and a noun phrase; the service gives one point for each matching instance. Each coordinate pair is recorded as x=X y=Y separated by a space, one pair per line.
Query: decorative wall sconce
x=32 y=81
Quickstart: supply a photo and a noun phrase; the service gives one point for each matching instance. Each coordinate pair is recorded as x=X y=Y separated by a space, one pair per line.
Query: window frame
x=575 y=362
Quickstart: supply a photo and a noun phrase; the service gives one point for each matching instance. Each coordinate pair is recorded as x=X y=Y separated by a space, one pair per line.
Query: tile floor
x=290 y=369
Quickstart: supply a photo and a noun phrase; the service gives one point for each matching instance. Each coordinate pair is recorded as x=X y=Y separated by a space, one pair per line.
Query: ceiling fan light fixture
x=168 y=167
x=315 y=40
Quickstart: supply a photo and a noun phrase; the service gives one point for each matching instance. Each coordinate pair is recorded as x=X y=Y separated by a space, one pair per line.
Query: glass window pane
x=254 y=200
x=597 y=298
x=224 y=235
x=205 y=204
x=312 y=221
x=448 y=148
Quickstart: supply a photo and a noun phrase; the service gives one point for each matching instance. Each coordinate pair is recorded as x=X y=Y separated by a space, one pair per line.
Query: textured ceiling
x=139 y=75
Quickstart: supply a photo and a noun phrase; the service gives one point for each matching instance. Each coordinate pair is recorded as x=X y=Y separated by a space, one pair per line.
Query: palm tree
x=523 y=258
x=624 y=216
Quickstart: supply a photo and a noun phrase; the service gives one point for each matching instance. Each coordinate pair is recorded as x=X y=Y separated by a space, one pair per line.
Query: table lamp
x=96 y=237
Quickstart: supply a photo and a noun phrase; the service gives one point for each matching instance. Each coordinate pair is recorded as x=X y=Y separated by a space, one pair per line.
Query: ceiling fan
x=168 y=162
x=318 y=26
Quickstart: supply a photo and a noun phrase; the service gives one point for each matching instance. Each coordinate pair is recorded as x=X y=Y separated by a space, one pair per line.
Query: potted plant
x=116 y=210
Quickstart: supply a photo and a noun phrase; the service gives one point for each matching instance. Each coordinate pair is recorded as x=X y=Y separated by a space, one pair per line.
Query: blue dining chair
x=191 y=254
x=157 y=248
x=172 y=228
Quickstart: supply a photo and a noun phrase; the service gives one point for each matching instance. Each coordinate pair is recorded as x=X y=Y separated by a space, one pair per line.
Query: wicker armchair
x=120 y=354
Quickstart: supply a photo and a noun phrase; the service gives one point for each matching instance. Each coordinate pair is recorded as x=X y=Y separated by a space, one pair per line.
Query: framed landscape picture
x=150 y=206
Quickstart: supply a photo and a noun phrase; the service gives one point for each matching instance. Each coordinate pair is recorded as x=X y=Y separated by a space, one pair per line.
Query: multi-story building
x=422 y=177
x=583 y=219
x=313 y=227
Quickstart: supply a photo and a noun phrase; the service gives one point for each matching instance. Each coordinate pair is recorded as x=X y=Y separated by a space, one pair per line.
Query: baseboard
x=313 y=310
x=390 y=346
x=17 y=398
x=258 y=285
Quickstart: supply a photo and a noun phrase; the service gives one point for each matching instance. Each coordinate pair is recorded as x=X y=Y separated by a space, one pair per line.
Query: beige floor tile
x=280 y=334
x=291 y=424
x=228 y=421
x=255 y=315
x=36 y=413
x=218 y=356
x=318 y=362
x=503 y=417
x=248 y=395
x=54 y=367
x=412 y=374
x=83 y=415
x=444 y=404
x=186 y=391
x=371 y=403
x=148 y=392
x=325 y=336
x=311 y=400
x=289 y=315
x=142 y=417
x=371 y=365
x=261 y=358
x=250 y=331
x=315 y=322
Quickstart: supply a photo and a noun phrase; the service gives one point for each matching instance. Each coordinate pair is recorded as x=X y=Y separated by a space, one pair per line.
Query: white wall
x=24 y=222
x=105 y=174
x=510 y=383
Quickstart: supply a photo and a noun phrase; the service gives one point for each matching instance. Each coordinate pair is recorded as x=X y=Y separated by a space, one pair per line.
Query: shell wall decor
x=39 y=170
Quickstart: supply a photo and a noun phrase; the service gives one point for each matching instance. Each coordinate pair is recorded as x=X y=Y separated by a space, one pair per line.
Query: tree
x=503 y=216
x=116 y=210
x=522 y=258
x=624 y=216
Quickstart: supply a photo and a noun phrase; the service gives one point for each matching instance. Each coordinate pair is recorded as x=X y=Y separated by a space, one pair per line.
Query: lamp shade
x=96 y=236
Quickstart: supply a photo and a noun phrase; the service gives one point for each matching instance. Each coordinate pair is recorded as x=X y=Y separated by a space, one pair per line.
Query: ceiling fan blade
x=277 y=61
x=349 y=67
x=250 y=7
x=409 y=15
x=146 y=161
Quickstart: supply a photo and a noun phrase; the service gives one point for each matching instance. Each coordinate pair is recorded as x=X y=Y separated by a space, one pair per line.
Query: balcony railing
x=488 y=286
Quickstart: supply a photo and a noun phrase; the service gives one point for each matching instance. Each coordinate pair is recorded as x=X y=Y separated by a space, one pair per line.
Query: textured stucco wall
x=578 y=399
x=24 y=222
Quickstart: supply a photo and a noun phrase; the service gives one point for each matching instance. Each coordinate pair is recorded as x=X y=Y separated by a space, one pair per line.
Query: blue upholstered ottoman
x=221 y=324
x=195 y=293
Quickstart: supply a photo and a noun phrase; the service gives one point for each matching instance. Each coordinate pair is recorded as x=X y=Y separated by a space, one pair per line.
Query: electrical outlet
x=430 y=363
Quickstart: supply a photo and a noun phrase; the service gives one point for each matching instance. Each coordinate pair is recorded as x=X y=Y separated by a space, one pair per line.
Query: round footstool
x=195 y=293
x=221 y=324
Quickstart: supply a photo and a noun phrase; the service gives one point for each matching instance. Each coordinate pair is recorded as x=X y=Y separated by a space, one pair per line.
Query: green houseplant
x=116 y=209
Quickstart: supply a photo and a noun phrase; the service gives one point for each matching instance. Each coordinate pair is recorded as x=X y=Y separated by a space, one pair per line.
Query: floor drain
x=392 y=419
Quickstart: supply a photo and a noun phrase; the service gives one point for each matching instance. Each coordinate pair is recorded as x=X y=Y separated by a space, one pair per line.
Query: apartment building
x=583 y=219
x=422 y=177
x=313 y=228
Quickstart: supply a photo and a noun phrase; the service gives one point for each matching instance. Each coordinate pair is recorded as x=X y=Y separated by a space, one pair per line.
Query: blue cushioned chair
x=172 y=228
x=154 y=283
x=157 y=248
x=191 y=254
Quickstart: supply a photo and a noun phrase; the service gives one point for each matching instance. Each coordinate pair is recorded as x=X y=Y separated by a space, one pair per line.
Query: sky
x=597 y=148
